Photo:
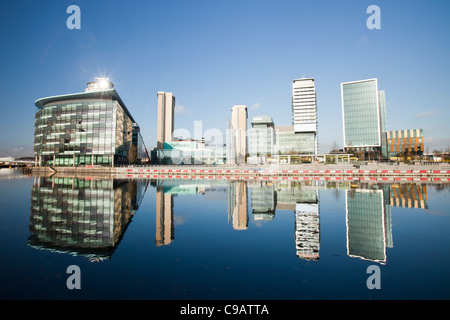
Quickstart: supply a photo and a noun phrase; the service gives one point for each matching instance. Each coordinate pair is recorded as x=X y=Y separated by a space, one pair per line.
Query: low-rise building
x=405 y=142
x=184 y=152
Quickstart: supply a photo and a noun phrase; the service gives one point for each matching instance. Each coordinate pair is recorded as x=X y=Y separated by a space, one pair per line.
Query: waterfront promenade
x=345 y=171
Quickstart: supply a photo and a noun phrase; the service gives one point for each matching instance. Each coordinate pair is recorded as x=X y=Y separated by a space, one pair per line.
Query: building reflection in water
x=166 y=190
x=263 y=195
x=164 y=217
x=367 y=207
x=368 y=218
x=88 y=217
x=82 y=216
x=307 y=225
x=235 y=193
x=300 y=198
x=238 y=205
x=266 y=198
x=409 y=195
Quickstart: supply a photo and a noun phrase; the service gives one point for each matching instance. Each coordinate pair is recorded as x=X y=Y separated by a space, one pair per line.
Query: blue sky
x=215 y=54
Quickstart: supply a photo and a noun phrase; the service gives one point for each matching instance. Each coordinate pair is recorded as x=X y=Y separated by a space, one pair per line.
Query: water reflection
x=369 y=219
x=164 y=217
x=307 y=223
x=82 y=216
x=89 y=217
x=300 y=198
x=238 y=205
x=409 y=195
x=369 y=227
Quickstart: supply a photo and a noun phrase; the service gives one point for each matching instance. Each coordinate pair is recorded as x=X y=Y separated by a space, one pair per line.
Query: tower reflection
x=369 y=226
x=238 y=205
x=300 y=198
x=164 y=217
x=307 y=224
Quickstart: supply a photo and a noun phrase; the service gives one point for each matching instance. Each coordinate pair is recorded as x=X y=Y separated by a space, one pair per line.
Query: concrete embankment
x=295 y=172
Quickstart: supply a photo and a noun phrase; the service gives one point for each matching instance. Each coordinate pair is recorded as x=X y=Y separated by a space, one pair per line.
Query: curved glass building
x=89 y=128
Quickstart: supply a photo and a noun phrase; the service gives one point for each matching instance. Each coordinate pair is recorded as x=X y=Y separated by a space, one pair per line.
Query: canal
x=201 y=239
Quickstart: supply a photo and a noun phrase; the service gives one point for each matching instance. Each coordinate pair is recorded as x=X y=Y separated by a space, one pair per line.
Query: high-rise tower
x=364 y=118
x=239 y=128
x=304 y=109
x=166 y=106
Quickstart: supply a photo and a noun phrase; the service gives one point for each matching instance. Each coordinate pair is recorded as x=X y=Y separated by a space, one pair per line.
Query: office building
x=383 y=123
x=304 y=111
x=268 y=140
x=239 y=127
x=189 y=152
x=298 y=138
x=230 y=152
x=165 y=125
x=405 y=142
x=89 y=128
x=288 y=141
x=262 y=136
x=138 y=142
x=364 y=118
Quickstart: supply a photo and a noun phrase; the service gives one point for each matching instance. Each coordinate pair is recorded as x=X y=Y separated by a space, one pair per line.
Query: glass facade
x=76 y=132
x=262 y=136
x=195 y=155
x=262 y=141
x=405 y=142
x=138 y=142
x=83 y=129
x=288 y=141
x=361 y=113
x=383 y=123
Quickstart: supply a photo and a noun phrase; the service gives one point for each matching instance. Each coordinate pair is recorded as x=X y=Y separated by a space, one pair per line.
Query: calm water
x=207 y=239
